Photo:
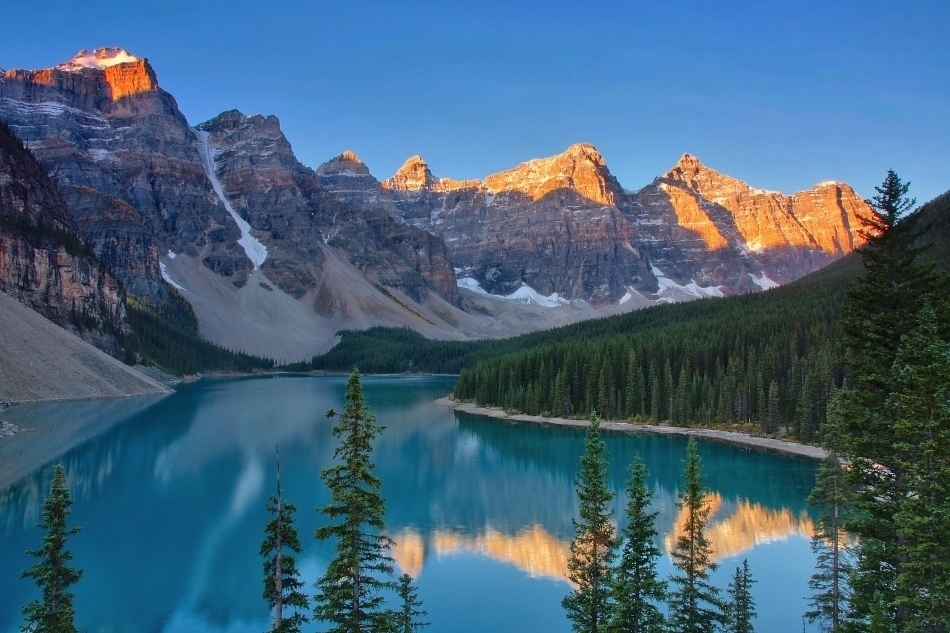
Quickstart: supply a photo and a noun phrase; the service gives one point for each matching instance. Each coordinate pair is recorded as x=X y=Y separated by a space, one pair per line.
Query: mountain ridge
x=226 y=205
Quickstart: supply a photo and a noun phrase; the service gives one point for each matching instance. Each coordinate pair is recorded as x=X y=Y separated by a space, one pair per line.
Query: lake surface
x=171 y=504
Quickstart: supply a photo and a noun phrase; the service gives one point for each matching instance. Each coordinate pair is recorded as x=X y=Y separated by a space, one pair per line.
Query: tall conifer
x=53 y=612
x=282 y=582
x=593 y=547
x=695 y=604
x=349 y=595
x=638 y=593
x=883 y=306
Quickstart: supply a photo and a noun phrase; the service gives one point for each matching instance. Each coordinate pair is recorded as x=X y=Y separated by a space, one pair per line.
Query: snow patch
x=167 y=278
x=98 y=154
x=255 y=251
x=172 y=255
x=625 y=298
x=525 y=294
x=671 y=291
x=99 y=58
x=764 y=282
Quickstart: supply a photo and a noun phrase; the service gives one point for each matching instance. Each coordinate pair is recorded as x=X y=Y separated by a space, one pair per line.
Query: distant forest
x=767 y=359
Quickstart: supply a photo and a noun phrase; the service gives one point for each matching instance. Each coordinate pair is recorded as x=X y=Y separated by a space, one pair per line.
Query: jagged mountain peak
x=584 y=151
x=414 y=174
x=580 y=167
x=345 y=164
x=99 y=58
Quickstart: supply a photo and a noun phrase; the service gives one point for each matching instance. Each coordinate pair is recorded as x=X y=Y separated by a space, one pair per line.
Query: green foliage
x=282 y=582
x=166 y=335
x=69 y=240
x=695 y=604
x=593 y=548
x=831 y=497
x=920 y=407
x=349 y=595
x=406 y=620
x=740 y=610
x=637 y=592
x=53 y=613
x=882 y=443
x=766 y=360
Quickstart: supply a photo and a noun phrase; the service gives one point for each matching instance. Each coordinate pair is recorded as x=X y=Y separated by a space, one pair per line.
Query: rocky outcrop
x=565 y=225
x=43 y=262
x=551 y=224
x=126 y=162
x=287 y=201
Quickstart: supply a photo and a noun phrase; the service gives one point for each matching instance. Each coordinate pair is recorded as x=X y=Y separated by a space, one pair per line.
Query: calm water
x=171 y=505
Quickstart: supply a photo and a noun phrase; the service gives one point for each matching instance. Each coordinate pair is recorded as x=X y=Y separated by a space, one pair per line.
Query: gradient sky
x=780 y=96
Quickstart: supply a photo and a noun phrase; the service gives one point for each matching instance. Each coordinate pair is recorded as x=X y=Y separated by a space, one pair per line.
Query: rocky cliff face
x=286 y=201
x=551 y=224
x=42 y=260
x=565 y=225
x=126 y=163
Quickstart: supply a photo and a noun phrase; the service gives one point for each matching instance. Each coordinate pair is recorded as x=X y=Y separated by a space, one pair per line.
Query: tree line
x=626 y=595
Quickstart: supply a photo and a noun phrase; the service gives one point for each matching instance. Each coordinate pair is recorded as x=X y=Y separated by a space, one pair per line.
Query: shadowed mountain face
x=286 y=202
x=42 y=260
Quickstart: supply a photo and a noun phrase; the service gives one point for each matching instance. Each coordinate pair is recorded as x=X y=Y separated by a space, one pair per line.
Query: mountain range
x=275 y=257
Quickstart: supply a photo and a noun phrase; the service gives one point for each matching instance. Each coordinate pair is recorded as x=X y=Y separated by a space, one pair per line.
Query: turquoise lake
x=171 y=498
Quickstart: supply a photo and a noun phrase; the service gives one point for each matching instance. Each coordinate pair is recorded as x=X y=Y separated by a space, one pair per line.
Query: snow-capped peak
x=98 y=58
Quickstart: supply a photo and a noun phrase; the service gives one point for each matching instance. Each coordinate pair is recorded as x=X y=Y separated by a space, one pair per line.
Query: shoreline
x=731 y=437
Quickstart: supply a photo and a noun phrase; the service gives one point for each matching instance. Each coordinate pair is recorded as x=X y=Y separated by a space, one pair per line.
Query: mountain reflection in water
x=171 y=502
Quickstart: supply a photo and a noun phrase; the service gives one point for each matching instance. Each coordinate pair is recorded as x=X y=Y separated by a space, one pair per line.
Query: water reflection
x=172 y=505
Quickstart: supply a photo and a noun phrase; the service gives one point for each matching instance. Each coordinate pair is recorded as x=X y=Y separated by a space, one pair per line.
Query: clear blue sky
x=779 y=96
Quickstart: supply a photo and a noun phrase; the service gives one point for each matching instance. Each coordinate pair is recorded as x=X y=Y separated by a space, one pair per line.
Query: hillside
x=766 y=358
x=41 y=361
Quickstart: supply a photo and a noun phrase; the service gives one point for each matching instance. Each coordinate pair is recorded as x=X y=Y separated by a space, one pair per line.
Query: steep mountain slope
x=43 y=261
x=40 y=361
x=275 y=258
x=143 y=189
x=564 y=226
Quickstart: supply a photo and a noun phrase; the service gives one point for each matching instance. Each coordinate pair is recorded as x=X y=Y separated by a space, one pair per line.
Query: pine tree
x=883 y=307
x=695 y=605
x=832 y=560
x=406 y=620
x=349 y=595
x=740 y=610
x=592 y=550
x=920 y=404
x=282 y=582
x=637 y=592
x=54 y=612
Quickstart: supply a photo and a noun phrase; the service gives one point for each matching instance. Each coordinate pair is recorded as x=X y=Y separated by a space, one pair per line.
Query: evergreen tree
x=637 y=590
x=53 y=613
x=740 y=610
x=406 y=620
x=883 y=307
x=282 y=582
x=831 y=497
x=592 y=550
x=920 y=405
x=695 y=604
x=349 y=595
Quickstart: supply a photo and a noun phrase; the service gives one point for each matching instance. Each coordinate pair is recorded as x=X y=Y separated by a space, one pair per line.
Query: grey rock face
x=288 y=203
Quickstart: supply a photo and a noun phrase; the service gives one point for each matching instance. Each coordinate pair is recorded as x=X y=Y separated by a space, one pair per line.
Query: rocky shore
x=792 y=448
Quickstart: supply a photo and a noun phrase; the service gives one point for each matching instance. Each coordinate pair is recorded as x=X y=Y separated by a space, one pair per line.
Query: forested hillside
x=768 y=359
x=771 y=359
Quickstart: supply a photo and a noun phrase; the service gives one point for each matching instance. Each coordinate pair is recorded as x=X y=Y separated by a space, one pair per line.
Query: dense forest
x=770 y=359
x=167 y=336
x=767 y=359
